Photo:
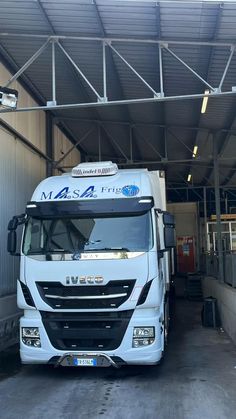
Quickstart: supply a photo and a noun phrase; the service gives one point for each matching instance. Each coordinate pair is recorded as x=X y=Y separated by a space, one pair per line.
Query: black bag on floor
x=210 y=313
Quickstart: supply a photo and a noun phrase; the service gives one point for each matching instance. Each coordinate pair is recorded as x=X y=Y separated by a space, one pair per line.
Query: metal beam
x=201 y=187
x=79 y=71
x=28 y=63
x=150 y=145
x=24 y=140
x=49 y=143
x=26 y=83
x=71 y=137
x=53 y=74
x=74 y=146
x=45 y=16
x=179 y=140
x=232 y=50
x=117 y=39
x=156 y=94
x=116 y=144
x=107 y=53
x=149 y=124
x=121 y=102
x=188 y=67
x=99 y=143
x=218 y=211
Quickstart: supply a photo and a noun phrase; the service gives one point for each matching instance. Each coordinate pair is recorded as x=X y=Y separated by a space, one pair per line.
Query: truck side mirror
x=169 y=236
x=12 y=238
x=11 y=242
x=13 y=223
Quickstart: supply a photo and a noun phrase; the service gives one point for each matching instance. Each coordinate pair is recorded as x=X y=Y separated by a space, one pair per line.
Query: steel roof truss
x=156 y=94
x=99 y=98
x=28 y=63
x=74 y=146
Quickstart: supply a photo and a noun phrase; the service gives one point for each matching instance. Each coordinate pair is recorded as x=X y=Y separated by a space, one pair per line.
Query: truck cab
x=95 y=268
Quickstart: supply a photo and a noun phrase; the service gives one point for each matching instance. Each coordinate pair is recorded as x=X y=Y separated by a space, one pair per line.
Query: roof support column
x=161 y=71
x=53 y=74
x=205 y=217
x=49 y=144
x=218 y=210
x=99 y=144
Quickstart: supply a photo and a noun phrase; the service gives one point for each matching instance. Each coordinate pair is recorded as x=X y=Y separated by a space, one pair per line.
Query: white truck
x=94 y=268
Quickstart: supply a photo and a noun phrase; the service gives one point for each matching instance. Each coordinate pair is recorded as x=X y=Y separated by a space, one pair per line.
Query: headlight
x=28 y=332
x=31 y=336
x=144 y=332
x=143 y=336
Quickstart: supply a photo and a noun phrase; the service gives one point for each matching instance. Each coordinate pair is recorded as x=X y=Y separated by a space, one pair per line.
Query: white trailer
x=94 y=273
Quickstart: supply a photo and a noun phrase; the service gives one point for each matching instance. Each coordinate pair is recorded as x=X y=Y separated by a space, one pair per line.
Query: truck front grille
x=111 y=295
x=86 y=331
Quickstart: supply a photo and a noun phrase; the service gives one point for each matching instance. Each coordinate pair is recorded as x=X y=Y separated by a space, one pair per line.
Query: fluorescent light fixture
x=8 y=97
x=189 y=177
x=204 y=101
x=195 y=149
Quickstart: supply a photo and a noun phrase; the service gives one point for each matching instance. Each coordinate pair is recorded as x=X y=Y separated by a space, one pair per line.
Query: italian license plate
x=85 y=362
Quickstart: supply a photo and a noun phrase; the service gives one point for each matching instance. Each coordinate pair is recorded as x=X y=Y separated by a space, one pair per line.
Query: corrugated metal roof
x=167 y=20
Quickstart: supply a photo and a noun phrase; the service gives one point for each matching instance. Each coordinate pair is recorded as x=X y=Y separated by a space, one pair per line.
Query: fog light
x=37 y=343
x=32 y=342
x=141 y=332
x=137 y=343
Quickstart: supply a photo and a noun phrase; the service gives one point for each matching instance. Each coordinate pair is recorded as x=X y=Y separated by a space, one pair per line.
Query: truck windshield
x=73 y=235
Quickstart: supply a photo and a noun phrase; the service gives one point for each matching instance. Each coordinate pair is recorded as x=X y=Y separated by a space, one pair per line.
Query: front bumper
x=148 y=355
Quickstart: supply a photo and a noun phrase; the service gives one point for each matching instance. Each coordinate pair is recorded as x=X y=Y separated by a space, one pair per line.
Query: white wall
x=226 y=298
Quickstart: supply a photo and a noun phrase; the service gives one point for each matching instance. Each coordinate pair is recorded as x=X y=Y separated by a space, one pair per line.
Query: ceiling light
x=204 y=101
x=195 y=150
x=189 y=177
x=8 y=97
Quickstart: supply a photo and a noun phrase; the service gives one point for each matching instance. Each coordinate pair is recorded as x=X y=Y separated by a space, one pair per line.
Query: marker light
x=189 y=177
x=145 y=201
x=104 y=168
x=204 y=101
x=31 y=206
x=195 y=149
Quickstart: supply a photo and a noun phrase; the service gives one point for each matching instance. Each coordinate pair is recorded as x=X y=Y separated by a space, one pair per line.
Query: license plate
x=85 y=362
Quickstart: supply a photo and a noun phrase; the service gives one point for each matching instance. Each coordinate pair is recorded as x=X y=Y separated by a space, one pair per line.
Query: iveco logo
x=90 y=279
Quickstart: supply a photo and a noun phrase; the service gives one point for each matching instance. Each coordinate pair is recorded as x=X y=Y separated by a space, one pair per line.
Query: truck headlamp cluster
x=31 y=336
x=143 y=336
x=8 y=97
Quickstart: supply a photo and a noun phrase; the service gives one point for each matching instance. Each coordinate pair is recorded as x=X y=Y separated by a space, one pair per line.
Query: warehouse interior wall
x=21 y=169
x=226 y=300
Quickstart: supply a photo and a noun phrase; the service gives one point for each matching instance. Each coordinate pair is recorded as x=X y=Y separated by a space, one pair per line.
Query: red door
x=185 y=254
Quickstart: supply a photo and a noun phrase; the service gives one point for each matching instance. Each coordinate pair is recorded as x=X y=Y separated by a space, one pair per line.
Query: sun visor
x=100 y=207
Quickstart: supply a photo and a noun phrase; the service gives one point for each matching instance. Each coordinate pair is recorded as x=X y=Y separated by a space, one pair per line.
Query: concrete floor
x=196 y=380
